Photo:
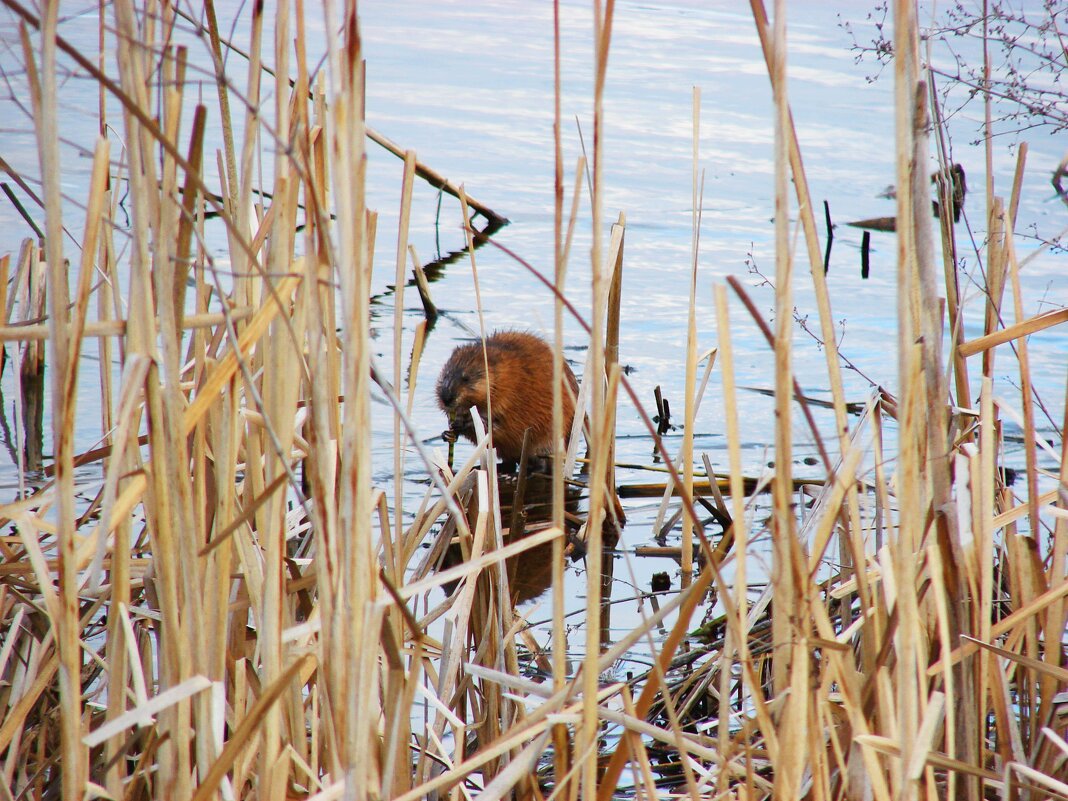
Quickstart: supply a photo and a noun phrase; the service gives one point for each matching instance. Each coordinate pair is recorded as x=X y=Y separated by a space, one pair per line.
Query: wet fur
x=520 y=387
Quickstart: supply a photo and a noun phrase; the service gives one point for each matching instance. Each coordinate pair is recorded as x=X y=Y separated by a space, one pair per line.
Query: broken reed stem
x=1022 y=356
x=611 y=353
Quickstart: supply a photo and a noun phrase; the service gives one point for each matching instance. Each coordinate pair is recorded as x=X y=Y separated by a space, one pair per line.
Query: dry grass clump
x=240 y=611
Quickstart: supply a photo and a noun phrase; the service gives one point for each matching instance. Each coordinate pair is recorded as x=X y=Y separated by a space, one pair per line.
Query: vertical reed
x=686 y=456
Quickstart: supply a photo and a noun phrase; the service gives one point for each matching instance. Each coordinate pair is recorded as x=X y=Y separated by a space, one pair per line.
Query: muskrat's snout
x=450 y=387
x=461 y=386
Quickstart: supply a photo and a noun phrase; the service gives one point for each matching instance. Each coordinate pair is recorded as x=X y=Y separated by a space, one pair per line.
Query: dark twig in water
x=663 y=412
x=830 y=236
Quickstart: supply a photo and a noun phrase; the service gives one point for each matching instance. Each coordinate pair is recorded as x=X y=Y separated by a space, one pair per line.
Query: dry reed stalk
x=739 y=524
x=954 y=306
x=686 y=455
x=912 y=359
x=851 y=517
x=611 y=350
x=43 y=85
x=1023 y=328
x=394 y=565
x=783 y=532
x=561 y=243
x=585 y=751
x=1021 y=348
x=106 y=329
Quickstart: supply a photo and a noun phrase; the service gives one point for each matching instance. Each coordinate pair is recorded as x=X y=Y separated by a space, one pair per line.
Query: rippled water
x=471 y=92
x=469 y=88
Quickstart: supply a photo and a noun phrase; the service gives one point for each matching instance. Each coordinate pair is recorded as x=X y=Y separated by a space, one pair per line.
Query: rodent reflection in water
x=530 y=572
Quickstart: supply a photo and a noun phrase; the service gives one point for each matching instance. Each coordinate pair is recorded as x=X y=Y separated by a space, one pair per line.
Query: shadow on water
x=435 y=270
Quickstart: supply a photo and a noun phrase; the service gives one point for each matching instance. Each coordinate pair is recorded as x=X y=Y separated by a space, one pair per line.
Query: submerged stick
x=830 y=236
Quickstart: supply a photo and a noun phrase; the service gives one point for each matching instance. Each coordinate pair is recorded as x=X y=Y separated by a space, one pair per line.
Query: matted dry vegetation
x=240 y=612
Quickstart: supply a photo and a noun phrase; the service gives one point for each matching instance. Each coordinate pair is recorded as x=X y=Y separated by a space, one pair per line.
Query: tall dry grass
x=242 y=612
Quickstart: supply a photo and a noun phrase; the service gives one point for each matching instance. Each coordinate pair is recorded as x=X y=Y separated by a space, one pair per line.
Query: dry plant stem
x=783 y=527
x=691 y=349
x=64 y=616
x=396 y=568
x=1057 y=574
x=585 y=742
x=353 y=696
x=1026 y=397
x=614 y=301
x=819 y=283
x=561 y=751
x=231 y=174
x=954 y=307
x=240 y=199
x=789 y=634
x=1024 y=328
x=911 y=355
x=737 y=492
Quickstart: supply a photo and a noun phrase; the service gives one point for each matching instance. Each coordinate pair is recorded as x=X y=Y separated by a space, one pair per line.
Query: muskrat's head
x=461 y=385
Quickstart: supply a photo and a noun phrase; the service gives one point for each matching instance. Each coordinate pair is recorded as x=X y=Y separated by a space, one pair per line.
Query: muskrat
x=520 y=389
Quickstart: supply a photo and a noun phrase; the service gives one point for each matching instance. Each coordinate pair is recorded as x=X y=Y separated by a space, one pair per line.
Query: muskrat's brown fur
x=520 y=389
